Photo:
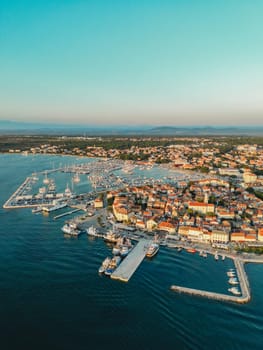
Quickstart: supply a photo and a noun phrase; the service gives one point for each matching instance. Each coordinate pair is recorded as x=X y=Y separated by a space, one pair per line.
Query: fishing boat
x=104 y=265
x=115 y=261
x=152 y=250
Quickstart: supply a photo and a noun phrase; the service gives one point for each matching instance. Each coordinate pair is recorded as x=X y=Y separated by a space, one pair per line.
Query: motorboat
x=233 y=280
x=104 y=265
x=71 y=229
x=111 y=237
x=191 y=250
x=125 y=250
x=231 y=274
x=115 y=261
x=152 y=250
x=234 y=290
x=92 y=231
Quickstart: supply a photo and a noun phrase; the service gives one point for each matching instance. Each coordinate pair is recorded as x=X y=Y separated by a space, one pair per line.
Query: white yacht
x=234 y=290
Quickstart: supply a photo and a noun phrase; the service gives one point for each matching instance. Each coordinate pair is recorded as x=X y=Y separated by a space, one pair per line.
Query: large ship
x=152 y=250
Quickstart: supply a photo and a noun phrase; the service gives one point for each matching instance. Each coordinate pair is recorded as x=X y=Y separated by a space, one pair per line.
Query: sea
x=51 y=296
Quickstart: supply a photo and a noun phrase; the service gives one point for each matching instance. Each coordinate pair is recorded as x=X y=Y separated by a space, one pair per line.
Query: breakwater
x=244 y=286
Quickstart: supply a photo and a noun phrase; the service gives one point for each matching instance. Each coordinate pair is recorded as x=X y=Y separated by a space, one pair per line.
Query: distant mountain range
x=25 y=128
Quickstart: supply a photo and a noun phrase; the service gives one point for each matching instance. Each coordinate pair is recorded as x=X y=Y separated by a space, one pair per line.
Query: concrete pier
x=244 y=286
x=67 y=213
x=131 y=262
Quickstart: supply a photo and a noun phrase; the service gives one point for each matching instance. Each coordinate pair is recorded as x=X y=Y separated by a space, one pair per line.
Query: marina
x=244 y=297
x=129 y=265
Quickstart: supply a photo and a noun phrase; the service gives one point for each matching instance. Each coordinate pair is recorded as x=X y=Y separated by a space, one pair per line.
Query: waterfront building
x=238 y=236
x=218 y=236
x=260 y=234
x=167 y=226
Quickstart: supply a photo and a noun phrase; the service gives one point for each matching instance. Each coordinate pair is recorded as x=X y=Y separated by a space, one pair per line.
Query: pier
x=244 y=286
x=131 y=262
x=67 y=213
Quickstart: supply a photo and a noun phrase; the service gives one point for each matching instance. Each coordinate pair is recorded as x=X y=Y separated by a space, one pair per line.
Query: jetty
x=244 y=286
x=67 y=213
x=129 y=265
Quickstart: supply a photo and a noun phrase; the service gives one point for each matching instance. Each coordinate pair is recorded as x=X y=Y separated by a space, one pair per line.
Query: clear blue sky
x=178 y=62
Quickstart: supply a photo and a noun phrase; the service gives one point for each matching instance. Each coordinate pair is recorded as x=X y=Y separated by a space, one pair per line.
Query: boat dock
x=244 y=286
x=67 y=213
x=131 y=262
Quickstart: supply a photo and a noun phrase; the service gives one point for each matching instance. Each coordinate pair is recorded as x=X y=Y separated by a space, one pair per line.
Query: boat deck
x=132 y=261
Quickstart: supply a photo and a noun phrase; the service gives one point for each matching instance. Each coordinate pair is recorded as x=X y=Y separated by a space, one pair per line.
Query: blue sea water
x=51 y=296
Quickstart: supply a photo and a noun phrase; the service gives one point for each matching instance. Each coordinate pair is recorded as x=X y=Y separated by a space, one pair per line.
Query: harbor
x=43 y=191
x=245 y=295
x=129 y=265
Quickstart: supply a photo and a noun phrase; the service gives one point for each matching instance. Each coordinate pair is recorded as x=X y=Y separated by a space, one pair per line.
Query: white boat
x=125 y=250
x=152 y=250
x=216 y=256
x=76 y=178
x=104 y=265
x=116 y=250
x=92 y=231
x=115 y=261
x=46 y=179
x=71 y=229
x=36 y=210
x=233 y=280
x=231 y=274
x=223 y=257
x=42 y=190
x=68 y=192
x=111 y=237
x=234 y=290
x=56 y=205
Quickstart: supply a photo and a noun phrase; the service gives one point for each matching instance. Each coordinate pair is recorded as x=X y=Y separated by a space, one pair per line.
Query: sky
x=157 y=62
